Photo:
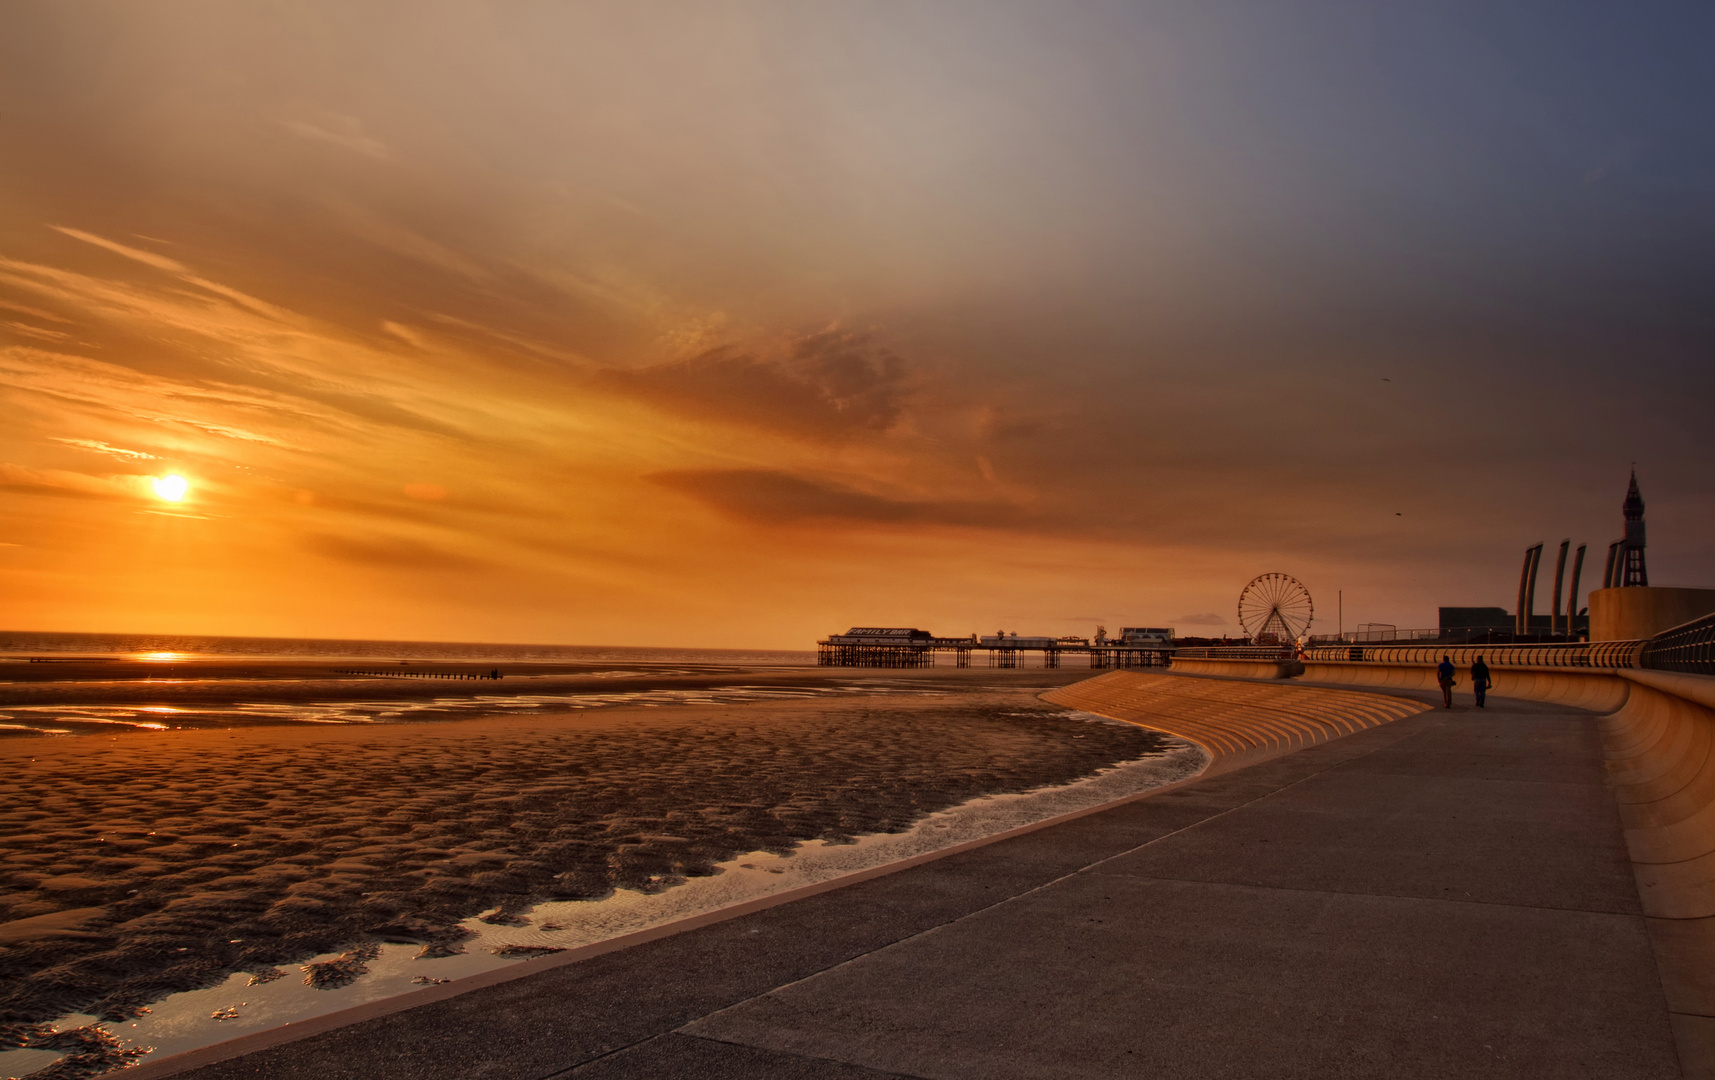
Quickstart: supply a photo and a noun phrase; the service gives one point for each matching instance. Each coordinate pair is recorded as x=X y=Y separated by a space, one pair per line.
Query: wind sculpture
x=1625 y=567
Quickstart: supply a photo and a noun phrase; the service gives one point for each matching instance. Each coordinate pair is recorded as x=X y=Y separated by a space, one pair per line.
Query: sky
x=738 y=323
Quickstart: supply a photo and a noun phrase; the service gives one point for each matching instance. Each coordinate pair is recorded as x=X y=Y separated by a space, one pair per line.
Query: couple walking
x=1480 y=680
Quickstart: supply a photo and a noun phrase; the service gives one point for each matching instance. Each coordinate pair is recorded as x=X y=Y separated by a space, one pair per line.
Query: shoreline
x=70 y=701
x=917 y=755
x=758 y=880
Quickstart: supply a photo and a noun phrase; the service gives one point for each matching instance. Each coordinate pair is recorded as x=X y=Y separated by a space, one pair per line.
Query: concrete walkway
x=1448 y=895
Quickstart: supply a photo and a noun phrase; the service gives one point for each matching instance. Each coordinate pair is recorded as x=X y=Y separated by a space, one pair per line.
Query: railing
x=1689 y=648
x=1364 y=637
x=1452 y=635
x=1595 y=654
x=1238 y=652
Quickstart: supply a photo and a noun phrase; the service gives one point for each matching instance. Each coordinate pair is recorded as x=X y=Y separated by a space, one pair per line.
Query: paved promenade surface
x=1447 y=895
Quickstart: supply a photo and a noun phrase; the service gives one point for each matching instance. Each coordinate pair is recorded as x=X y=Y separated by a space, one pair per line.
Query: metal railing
x=1452 y=635
x=1364 y=637
x=1595 y=654
x=1237 y=652
x=1689 y=648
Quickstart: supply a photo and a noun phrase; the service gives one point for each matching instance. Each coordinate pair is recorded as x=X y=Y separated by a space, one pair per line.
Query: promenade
x=1446 y=894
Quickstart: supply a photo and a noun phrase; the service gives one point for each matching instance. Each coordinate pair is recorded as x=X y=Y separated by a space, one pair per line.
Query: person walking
x=1481 y=680
x=1444 y=676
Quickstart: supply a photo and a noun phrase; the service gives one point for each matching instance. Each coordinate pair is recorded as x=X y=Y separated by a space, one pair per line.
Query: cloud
x=1207 y=619
x=147 y=258
x=58 y=482
x=773 y=497
x=403 y=333
x=102 y=448
x=347 y=132
x=35 y=313
x=390 y=553
x=295 y=371
x=158 y=262
x=830 y=385
x=37 y=332
x=110 y=390
x=390 y=236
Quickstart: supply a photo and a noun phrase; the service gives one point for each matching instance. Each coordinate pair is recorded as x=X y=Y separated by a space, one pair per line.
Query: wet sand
x=147 y=863
x=222 y=692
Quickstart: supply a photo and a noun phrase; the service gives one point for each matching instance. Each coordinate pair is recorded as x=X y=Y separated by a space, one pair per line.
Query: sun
x=171 y=488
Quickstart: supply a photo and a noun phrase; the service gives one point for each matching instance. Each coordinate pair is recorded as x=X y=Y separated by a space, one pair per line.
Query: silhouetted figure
x=1444 y=676
x=1480 y=680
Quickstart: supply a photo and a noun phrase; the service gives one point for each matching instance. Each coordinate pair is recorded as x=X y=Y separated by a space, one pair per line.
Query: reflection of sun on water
x=161 y=658
x=171 y=488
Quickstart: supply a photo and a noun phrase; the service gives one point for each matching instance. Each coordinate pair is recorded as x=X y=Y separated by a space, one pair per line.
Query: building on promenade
x=1628 y=607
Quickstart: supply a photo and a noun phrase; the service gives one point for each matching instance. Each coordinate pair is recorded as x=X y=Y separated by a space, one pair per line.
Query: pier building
x=908 y=647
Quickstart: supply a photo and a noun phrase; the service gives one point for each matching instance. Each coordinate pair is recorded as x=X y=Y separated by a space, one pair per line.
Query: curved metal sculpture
x=1275 y=609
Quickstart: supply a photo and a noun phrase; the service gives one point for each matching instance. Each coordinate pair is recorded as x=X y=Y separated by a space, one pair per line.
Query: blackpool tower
x=1626 y=556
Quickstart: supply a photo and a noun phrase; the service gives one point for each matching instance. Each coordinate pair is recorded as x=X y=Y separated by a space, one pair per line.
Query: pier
x=906 y=647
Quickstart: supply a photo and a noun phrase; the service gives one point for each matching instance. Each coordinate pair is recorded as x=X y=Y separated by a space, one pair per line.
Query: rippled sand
x=149 y=863
x=88 y=696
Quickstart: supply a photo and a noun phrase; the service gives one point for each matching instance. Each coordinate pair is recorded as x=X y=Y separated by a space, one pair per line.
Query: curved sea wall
x=1238 y=669
x=1596 y=689
x=1238 y=723
x=1659 y=755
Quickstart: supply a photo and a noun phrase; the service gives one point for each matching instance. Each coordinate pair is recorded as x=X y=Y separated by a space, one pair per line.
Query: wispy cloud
x=103 y=448
x=65 y=484
x=830 y=385
x=147 y=258
x=172 y=266
x=390 y=553
x=1206 y=619
x=34 y=313
x=773 y=497
x=38 y=332
x=346 y=132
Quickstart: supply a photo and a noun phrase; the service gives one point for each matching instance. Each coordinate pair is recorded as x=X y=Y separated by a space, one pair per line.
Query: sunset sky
x=733 y=324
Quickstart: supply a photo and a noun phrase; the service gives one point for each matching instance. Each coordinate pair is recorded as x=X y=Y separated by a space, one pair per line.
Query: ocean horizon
x=20 y=643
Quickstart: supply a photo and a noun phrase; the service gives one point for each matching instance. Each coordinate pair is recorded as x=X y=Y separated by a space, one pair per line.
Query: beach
x=85 y=695
x=147 y=862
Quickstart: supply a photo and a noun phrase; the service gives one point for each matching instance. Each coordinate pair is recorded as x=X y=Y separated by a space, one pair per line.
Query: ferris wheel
x=1275 y=609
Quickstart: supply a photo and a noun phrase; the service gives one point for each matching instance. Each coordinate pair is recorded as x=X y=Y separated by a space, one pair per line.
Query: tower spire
x=1634 y=504
x=1632 y=570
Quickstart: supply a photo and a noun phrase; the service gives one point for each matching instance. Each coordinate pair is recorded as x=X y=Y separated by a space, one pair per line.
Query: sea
x=99 y=707
x=195 y=646
x=247 y=1003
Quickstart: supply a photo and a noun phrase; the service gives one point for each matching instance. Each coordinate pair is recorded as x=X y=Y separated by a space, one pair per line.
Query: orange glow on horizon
x=574 y=325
